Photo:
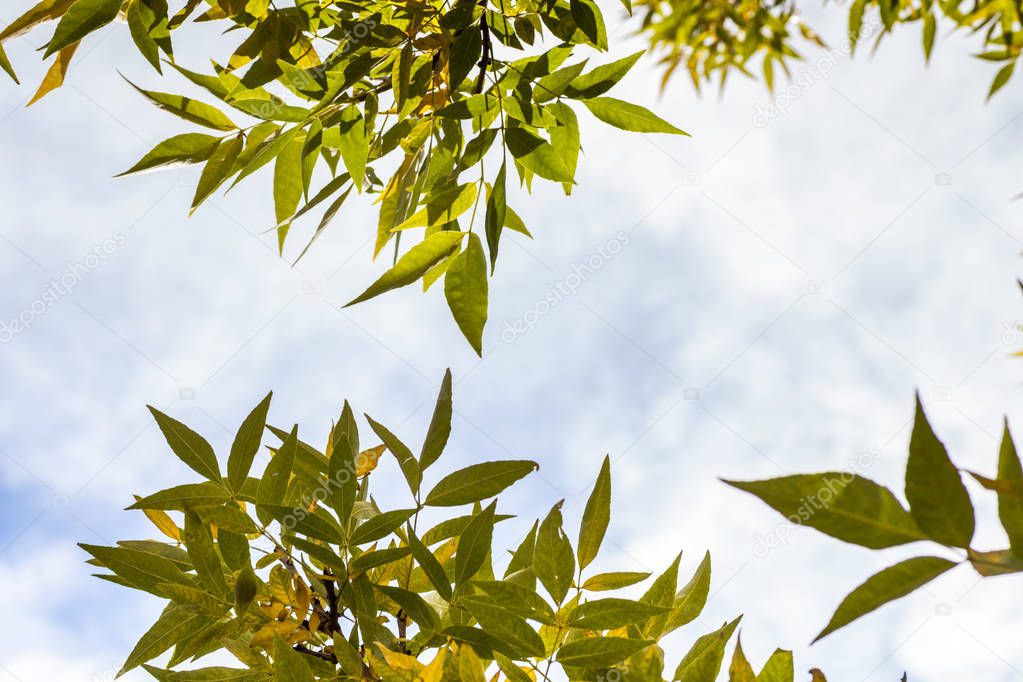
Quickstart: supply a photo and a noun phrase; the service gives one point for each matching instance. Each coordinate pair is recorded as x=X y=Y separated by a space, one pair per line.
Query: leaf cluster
x=300 y=574
x=857 y=510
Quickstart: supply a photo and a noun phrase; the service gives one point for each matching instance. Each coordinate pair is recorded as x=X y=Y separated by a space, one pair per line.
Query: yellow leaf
x=434 y=672
x=264 y=637
x=54 y=78
x=396 y=661
x=163 y=522
x=367 y=460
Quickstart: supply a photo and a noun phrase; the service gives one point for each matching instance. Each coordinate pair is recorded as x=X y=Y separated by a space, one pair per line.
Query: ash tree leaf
x=354 y=144
x=938 y=500
x=440 y=425
x=414 y=264
x=189 y=446
x=887 y=585
x=1010 y=502
x=55 y=75
x=599 y=652
x=246 y=444
x=702 y=662
x=217 y=169
x=191 y=110
x=474 y=544
x=376 y=558
x=612 y=613
x=631 y=117
x=246 y=586
x=342 y=473
x=274 y=483
x=174 y=625
x=287 y=188
x=1000 y=562
x=421 y=613
x=779 y=668
x=202 y=553
x=590 y=21
x=506 y=626
x=602 y=78
x=406 y=460
x=596 y=516
x=497 y=210
x=176 y=151
x=380 y=526
x=82 y=18
x=537 y=155
x=182 y=496
x=690 y=600
x=5 y=64
x=465 y=52
x=1001 y=78
x=465 y=288
x=839 y=504
x=288 y=665
x=603 y=582
x=661 y=593
x=478 y=482
x=740 y=670
x=140 y=17
x=519 y=599
x=553 y=558
x=430 y=565
x=442 y=208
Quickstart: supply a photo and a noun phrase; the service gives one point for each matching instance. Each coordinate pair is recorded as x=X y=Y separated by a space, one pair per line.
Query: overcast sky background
x=787 y=283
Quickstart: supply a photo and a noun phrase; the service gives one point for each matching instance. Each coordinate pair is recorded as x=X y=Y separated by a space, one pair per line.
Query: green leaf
x=474 y=544
x=140 y=17
x=890 y=584
x=537 y=155
x=703 y=661
x=930 y=28
x=376 y=558
x=246 y=444
x=176 y=151
x=82 y=18
x=612 y=613
x=274 y=484
x=497 y=212
x=553 y=558
x=590 y=21
x=937 y=497
x=414 y=606
x=1010 y=503
x=604 y=582
x=601 y=79
x=440 y=425
x=465 y=52
x=217 y=169
x=627 y=116
x=202 y=553
x=1001 y=78
x=519 y=599
x=839 y=504
x=690 y=600
x=183 y=496
x=465 y=287
x=740 y=670
x=246 y=586
x=46 y=10
x=855 y=22
x=478 y=482
x=380 y=526
x=442 y=208
x=778 y=668
x=414 y=264
x=289 y=665
x=174 y=624
x=406 y=460
x=661 y=593
x=596 y=516
x=288 y=179
x=343 y=482
x=354 y=144
x=212 y=674
x=189 y=109
x=431 y=567
x=5 y=64
x=506 y=626
x=599 y=652
x=189 y=446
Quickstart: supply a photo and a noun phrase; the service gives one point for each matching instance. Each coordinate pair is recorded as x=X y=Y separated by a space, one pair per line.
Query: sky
x=778 y=286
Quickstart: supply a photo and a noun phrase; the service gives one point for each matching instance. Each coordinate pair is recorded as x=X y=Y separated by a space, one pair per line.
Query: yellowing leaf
x=367 y=460
x=163 y=522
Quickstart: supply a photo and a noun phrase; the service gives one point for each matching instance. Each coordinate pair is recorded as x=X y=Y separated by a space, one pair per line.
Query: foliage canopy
x=432 y=107
x=301 y=575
